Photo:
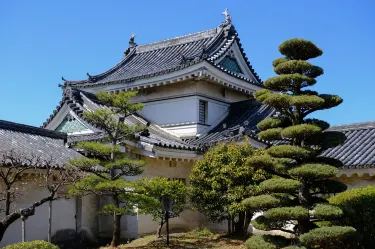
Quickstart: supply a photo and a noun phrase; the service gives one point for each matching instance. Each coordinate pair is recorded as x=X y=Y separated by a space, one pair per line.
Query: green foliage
x=314 y=171
x=98 y=149
x=327 y=237
x=266 y=242
x=271 y=134
x=280 y=185
x=261 y=202
x=359 y=211
x=109 y=179
x=301 y=176
x=269 y=123
x=288 y=82
x=327 y=212
x=201 y=232
x=299 y=49
x=302 y=131
x=327 y=186
x=157 y=187
x=36 y=244
x=222 y=179
x=290 y=151
x=262 y=223
x=287 y=213
x=317 y=122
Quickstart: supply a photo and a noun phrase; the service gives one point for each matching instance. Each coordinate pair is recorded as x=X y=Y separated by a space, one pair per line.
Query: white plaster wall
x=63 y=217
x=88 y=216
x=172 y=111
x=356 y=181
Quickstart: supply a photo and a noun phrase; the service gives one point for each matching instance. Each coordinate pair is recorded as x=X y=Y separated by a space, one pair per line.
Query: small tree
x=295 y=195
x=359 y=211
x=221 y=180
x=47 y=174
x=156 y=188
x=109 y=180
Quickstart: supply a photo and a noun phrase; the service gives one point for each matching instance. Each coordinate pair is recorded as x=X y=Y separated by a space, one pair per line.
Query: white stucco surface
x=63 y=217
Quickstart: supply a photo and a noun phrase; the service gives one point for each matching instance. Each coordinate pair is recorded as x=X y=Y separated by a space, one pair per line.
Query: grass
x=198 y=238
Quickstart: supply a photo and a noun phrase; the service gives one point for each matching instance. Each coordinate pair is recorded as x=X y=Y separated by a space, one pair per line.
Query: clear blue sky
x=40 y=41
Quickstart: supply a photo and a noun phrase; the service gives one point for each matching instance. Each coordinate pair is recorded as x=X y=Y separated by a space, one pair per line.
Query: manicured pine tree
x=295 y=196
x=109 y=180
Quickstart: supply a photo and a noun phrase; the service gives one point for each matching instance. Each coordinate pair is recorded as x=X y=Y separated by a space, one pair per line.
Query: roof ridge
x=354 y=126
x=7 y=125
x=178 y=40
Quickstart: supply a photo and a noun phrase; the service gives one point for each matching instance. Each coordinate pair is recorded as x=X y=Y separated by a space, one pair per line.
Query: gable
x=231 y=64
x=71 y=125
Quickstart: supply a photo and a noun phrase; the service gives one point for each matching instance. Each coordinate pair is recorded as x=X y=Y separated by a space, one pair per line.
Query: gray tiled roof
x=170 y=55
x=358 y=151
x=243 y=116
x=29 y=140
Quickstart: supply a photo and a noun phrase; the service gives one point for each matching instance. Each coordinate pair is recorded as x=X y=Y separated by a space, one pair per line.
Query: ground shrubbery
x=36 y=244
x=359 y=212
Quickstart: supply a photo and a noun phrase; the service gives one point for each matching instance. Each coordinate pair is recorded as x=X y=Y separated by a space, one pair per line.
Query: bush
x=36 y=244
x=202 y=232
x=328 y=237
x=266 y=242
x=358 y=206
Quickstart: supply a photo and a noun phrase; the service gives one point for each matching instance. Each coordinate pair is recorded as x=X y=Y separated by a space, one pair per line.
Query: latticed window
x=202 y=111
x=230 y=64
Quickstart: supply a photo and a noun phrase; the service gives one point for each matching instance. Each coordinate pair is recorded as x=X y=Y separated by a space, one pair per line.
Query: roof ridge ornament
x=131 y=41
x=228 y=18
x=132 y=44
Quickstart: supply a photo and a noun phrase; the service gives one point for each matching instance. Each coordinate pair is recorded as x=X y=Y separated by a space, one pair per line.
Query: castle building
x=197 y=91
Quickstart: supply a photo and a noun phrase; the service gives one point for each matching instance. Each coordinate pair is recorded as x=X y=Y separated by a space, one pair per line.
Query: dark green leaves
x=280 y=185
x=327 y=236
x=299 y=49
x=287 y=213
x=313 y=171
x=289 y=82
x=290 y=151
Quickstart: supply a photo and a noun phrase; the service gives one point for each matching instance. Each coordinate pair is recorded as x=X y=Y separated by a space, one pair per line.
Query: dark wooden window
x=202 y=111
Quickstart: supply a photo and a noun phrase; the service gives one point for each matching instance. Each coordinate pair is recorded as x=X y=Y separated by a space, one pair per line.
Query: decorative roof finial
x=88 y=75
x=131 y=41
x=228 y=18
x=63 y=78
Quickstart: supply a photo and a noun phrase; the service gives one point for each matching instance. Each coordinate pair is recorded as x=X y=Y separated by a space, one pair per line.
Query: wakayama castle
x=197 y=91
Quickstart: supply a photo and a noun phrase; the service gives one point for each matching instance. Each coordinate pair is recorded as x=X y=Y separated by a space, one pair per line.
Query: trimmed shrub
x=358 y=206
x=36 y=244
x=266 y=242
x=328 y=237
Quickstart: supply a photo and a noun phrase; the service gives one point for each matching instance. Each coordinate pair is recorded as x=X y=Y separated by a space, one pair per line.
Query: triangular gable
x=71 y=125
x=235 y=61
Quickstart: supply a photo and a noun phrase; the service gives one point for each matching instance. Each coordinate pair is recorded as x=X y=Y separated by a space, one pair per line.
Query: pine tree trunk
x=116 y=230
x=303 y=195
x=158 y=231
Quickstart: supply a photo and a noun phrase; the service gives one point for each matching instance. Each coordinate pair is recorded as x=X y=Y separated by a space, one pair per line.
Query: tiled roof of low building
x=358 y=151
x=33 y=141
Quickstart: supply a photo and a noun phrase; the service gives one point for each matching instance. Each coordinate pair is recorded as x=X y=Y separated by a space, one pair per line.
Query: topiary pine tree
x=110 y=182
x=295 y=195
